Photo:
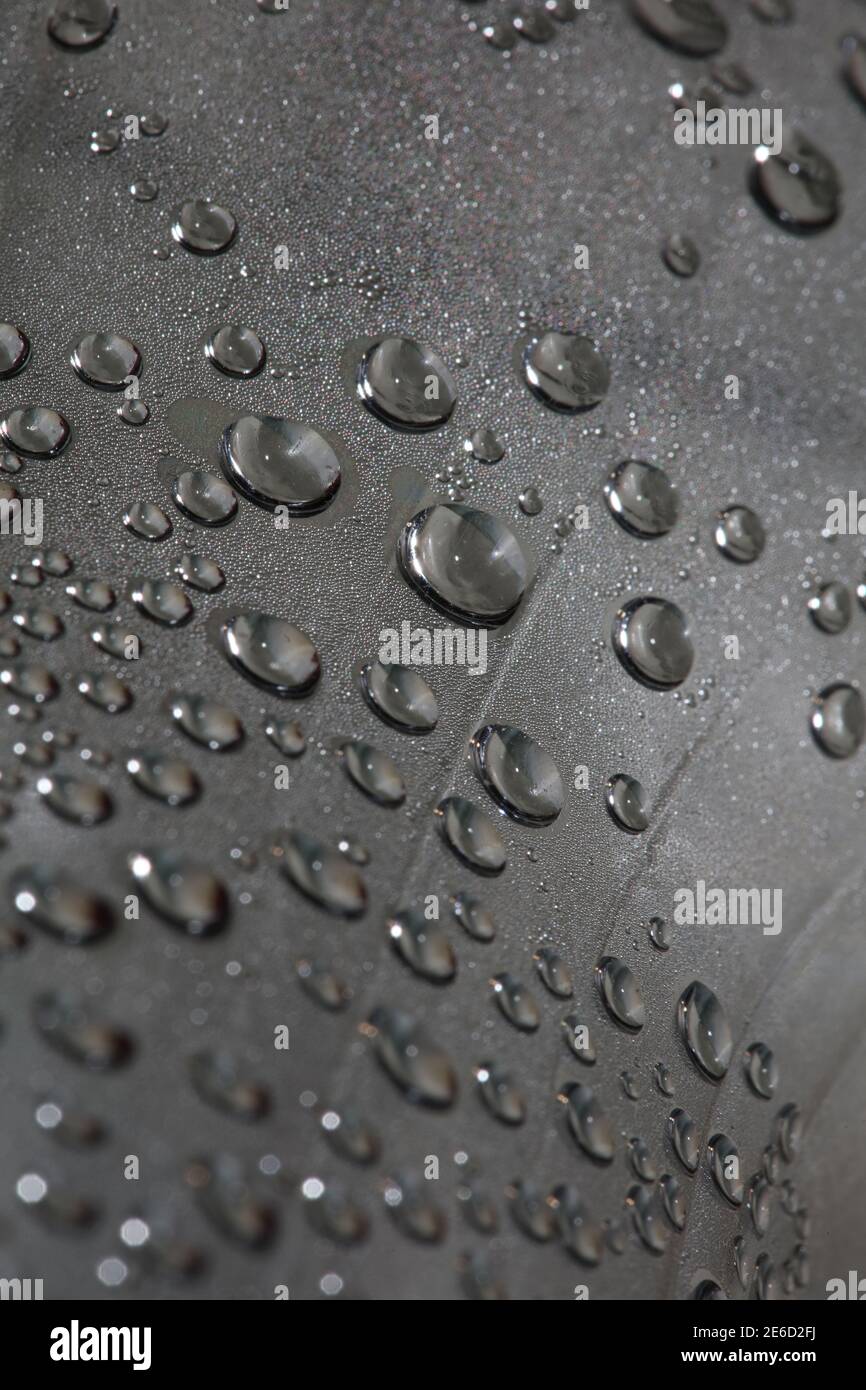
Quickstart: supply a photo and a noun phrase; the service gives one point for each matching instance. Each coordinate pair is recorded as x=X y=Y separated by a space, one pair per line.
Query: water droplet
x=688 y=26
x=620 y=993
x=55 y=563
x=286 y=735
x=651 y=639
x=200 y=572
x=709 y=1291
x=94 y=594
x=230 y=1203
x=423 y=945
x=500 y=34
x=759 y=1205
x=71 y=1026
x=725 y=1167
x=204 y=227
x=106 y=692
x=529 y=501
x=144 y=190
x=181 y=892
x=566 y=371
x=838 y=720
x=516 y=1003
x=76 y=799
x=685 y=1138
x=471 y=834
x=773 y=11
x=323 y=875
x=799 y=187
x=626 y=802
x=37 y=431
x=664 y=1080
x=323 y=985
x=81 y=23
x=350 y=1135
x=474 y=917
x=681 y=255
x=40 y=623
x=517 y=773
x=272 y=653
x=29 y=576
x=484 y=446
x=279 y=463
x=147 y=520
x=659 y=933
x=830 y=607
x=374 y=772
x=203 y=497
x=416 y=1064
x=220 y=1081
x=589 y=1124
x=53 y=900
x=406 y=384
x=642 y=498
x=464 y=561
x=762 y=1071
x=399 y=696
x=642 y=1160
x=105 y=360
x=14 y=350
x=789 y=1131
x=165 y=778
x=533 y=25
x=236 y=350
x=673 y=1201
x=153 y=123
x=554 y=973
x=215 y=726
x=500 y=1094
x=413 y=1212
x=162 y=601
x=705 y=1030
x=31 y=682
x=577 y=1034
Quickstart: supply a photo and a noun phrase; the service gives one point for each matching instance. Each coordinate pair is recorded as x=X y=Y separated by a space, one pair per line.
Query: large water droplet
x=739 y=534
x=620 y=993
x=36 y=431
x=406 y=384
x=553 y=972
x=642 y=498
x=648 y=1218
x=464 y=561
x=799 y=186
x=566 y=371
x=81 y=23
x=231 y=1204
x=272 y=653
x=685 y=1138
x=830 y=607
x=31 y=682
x=180 y=891
x=220 y=1081
x=416 y=1064
x=400 y=696
x=104 y=691
x=688 y=26
x=94 y=594
x=200 y=572
x=651 y=639
x=105 y=360
x=280 y=463
x=474 y=917
x=323 y=875
x=40 y=623
x=582 y=1237
x=517 y=772
x=14 y=350
x=838 y=720
x=204 y=227
x=53 y=900
x=705 y=1029
x=471 y=834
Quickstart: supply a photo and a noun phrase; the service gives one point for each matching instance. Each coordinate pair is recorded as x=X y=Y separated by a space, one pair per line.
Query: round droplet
x=705 y=1029
x=789 y=1131
x=620 y=993
x=838 y=720
x=181 y=892
x=272 y=652
x=104 y=691
x=688 y=26
x=287 y=735
x=484 y=446
x=724 y=1159
x=154 y=123
x=530 y=502
x=423 y=945
x=517 y=773
x=147 y=520
x=651 y=639
x=664 y=1080
x=133 y=411
x=94 y=594
x=577 y=1035
x=471 y=834
x=554 y=973
x=626 y=801
x=203 y=497
x=474 y=917
x=105 y=139
x=799 y=186
x=399 y=696
x=740 y=535
x=323 y=875
x=280 y=463
x=406 y=384
x=165 y=778
x=55 y=563
x=589 y=1123
x=200 y=572
x=144 y=190
x=37 y=432
x=106 y=360
x=566 y=371
x=502 y=1097
x=215 y=726
x=76 y=799
x=642 y=498
x=81 y=23
x=416 y=1064
x=501 y=35
x=14 y=350
x=830 y=607
x=161 y=601
x=204 y=227
x=71 y=1026
x=685 y=1138
x=374 y=772
x=516 y=1003
x=681 y=255
x=464 y=561
x=236 y=350
x=762 y=1070
x=53 y=900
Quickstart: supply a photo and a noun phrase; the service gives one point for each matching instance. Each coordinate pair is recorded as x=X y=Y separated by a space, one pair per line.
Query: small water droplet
x=471 y=834
x=642 y=498
x=272 y=653
x=54 y=900
x=516 y=1003
x=204 y=227
x=213 y=725
x=685 y=1138
x=724 y=1160
x=681 y=255
x=500 y=1094
x=14 y=350
x=626 y=801
x=589 y=1124
x=688 y=26
x=838 y=720
x=147 y=520
x=620 y=993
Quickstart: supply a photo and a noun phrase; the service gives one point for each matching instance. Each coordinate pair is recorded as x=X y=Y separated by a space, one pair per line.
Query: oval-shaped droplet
x=464 y=561
x=705 y=1030
x=518 y=774
x=280 y=463
x=651 y=638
